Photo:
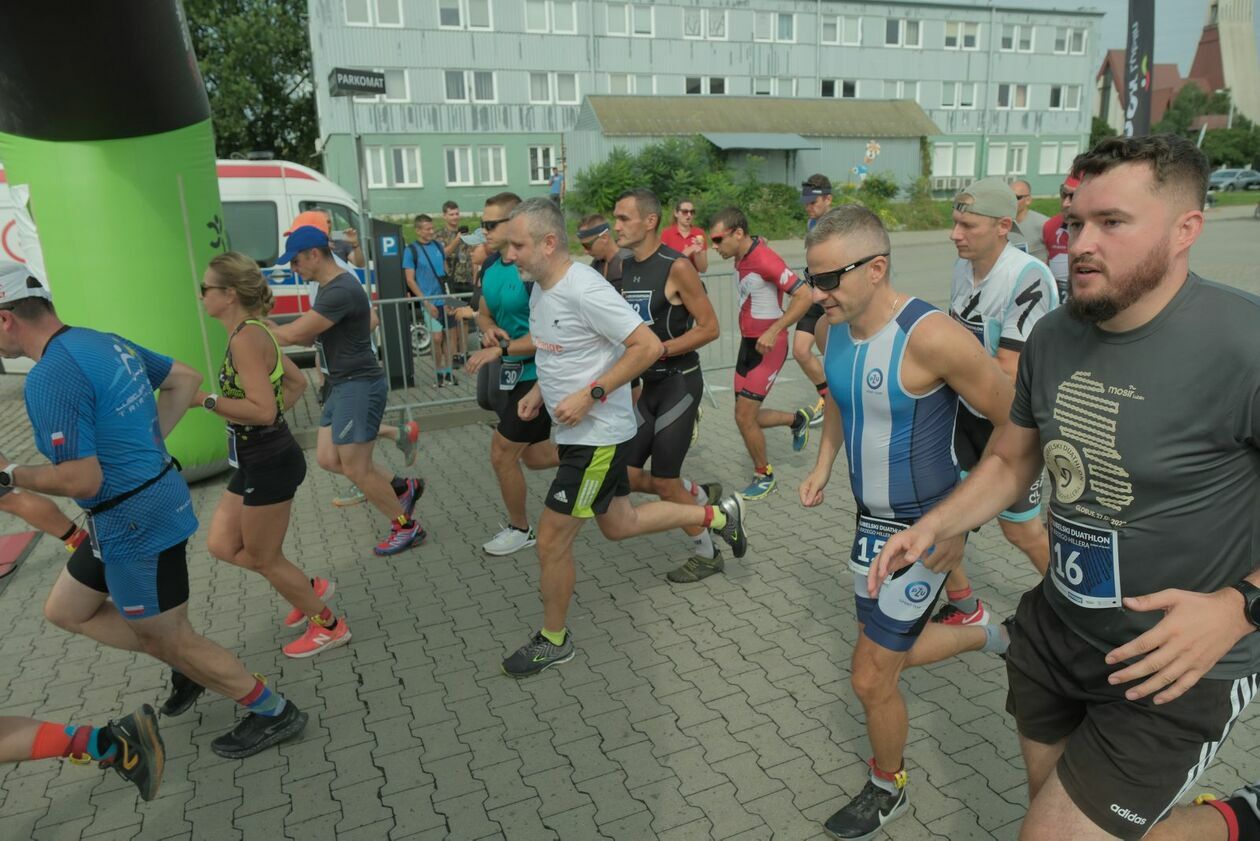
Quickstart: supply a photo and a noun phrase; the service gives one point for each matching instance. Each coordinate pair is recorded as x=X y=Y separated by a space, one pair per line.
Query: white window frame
x=547 y=79
x=465 y=20
x=831 y=20
x=470 y=87
x=555 y=28
x=970 y=148
x=1032 y=39
x=446 y=89
x=501 y=178
x=1068 y=33
x=546 y=10
x=414 y=151
x=373 y=8
x=960 y=28
x=632 y=83
x=540 y=174
x=555 y=88
x=651 y=10
x=706 y=85
x=899 y=89
x=791 y=83
x=463 y=179
x=367 y=7
x=707 y=16
x=459 y=7
x=406 y=77
x=376 y=4
x=838 y=90
x=1018 y=151
x=1014 y=30
x=1066 y=92
x=1018 y=31
x=945 y=151
x=961 y=87
x=1012 y=96
x=779 y=27
x=1068 y=150
x=377 y=176
x=996 y=164
x=902 y=25
x=1049 y=154
x=611 y=11
x=770 y=85
x=844 y=38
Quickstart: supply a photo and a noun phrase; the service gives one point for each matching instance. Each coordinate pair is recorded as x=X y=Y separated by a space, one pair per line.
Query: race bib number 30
x=1085 y=563
x=510 y=374
x=872 y=534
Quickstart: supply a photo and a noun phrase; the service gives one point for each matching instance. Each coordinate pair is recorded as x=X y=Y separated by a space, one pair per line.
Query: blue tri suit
x=91 y=394
x=901 y=463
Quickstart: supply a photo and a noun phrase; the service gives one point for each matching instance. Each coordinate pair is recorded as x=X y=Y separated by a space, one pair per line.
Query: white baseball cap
x=18 y=281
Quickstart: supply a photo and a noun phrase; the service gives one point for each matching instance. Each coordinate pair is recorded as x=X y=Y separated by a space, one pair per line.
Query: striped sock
x=67 y=740
x=262 y=700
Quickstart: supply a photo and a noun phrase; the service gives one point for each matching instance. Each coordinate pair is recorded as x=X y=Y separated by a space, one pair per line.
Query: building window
x=962 y=35
x=997 y=159
x=556 y=16
x=375 y=156
x=901 y=90
x=1016 y=37
x=763 y=86
x=566 y=88
x=954 y=159
x=840 y=88
x=541 y=160
x=406 y=160
x=456 y=89
x=479 y=82
x=1065 y=97
x=397 y=88
x=539 y=88
x=545 y=88
x=1067 y=156
x=902 y=32
x=706 y=85
x=1019 y=159
x=785 y=86
x=1069 y=39
x=464 y=14
x=965 y=160
x=958 y=95
x=631 y=83
x=704 y=23
x=943 y=159
x=774 y=26
x=459 y=171
x=1049 y=164
x=631 y=19
x=841 y=29
x=374 y=13
x=491 y=165
x=1012 y=96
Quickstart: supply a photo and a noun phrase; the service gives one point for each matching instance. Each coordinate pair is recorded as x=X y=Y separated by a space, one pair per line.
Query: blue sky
x=1178 y=24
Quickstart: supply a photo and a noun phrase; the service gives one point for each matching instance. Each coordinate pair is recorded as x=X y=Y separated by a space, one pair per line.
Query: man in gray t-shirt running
x=1131 y=661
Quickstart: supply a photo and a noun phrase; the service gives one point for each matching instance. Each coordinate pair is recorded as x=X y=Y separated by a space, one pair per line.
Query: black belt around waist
x=115 y=501
x=660 y=372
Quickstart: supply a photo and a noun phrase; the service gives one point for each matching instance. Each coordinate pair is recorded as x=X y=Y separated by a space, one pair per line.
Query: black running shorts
x=270 y=480
x=1126 y=763
x=588 y=479
x=809 y=321
x=971 y=436
x=666 y=413
x=520 y=431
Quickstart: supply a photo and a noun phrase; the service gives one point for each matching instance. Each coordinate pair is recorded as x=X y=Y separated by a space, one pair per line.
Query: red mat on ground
x=15 y=547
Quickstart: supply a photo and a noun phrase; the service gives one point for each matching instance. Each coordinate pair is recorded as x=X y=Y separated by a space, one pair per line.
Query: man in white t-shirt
x=589 y=344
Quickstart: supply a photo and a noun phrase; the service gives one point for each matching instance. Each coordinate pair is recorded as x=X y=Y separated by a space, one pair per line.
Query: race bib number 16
x=1085 y=563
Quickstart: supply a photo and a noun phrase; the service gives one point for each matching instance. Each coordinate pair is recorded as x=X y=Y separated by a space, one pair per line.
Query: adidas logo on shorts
x=1131 y=817
x=561 y=496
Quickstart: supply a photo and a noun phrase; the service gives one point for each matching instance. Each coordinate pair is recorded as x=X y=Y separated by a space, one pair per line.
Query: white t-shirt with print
x=579 y=327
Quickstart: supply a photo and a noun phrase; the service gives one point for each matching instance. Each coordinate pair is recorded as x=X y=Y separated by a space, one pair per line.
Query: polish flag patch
x=133 y=610
x=58 y=439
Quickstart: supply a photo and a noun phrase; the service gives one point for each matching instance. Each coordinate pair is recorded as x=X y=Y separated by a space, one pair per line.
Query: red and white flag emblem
x=58 y=438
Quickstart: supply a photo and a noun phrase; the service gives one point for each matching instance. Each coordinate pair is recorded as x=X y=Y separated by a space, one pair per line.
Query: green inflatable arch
x=106 y=119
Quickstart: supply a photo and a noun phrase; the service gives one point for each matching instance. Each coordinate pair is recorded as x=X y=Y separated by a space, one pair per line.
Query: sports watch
x=598 y=392
x=6 y=476
x=209 y=402
x=1251 y=601
x=504 y=344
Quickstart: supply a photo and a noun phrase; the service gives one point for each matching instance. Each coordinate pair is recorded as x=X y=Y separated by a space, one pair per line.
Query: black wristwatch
x=1251 y=601
x=504 y=344
x=597 y=392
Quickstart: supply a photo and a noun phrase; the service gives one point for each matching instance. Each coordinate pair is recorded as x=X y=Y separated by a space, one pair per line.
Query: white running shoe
x=510 y=540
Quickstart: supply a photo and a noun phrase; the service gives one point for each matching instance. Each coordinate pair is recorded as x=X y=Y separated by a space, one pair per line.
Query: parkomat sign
x=344 y=82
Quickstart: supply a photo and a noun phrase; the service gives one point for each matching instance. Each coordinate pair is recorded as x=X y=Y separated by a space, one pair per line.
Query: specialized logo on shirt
x=874 y=379
x=1084 y=455
x=1028 y=299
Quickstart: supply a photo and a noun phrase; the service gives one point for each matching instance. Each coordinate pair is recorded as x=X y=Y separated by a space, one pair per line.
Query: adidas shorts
x=588 y=479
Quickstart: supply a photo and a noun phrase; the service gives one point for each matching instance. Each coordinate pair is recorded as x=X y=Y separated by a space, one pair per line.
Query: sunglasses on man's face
x=491 y=224
x=1066 y=194
x=687 y=211
x=716 y=239
x=1018 y=197
x=588 y=244
x=827 y=281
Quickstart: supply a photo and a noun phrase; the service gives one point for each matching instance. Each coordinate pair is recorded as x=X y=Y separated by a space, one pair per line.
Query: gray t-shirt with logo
x=1152 y=441
x=347 y=345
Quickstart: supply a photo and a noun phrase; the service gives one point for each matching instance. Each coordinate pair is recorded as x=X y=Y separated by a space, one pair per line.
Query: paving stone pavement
x=719 y=710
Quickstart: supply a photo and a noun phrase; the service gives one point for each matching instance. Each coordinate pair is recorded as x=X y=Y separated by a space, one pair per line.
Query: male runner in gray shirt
x=1131 y=661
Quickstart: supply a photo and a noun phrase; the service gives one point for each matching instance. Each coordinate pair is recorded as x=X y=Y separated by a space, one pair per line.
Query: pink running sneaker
x=318 y=638
x=407 y=499
x=323 y=590
x=400 y=538
x=950 y=615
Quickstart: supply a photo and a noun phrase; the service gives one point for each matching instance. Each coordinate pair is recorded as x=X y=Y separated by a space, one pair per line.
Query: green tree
x=1100 y=130
x=255 y=57
x=1190 y=102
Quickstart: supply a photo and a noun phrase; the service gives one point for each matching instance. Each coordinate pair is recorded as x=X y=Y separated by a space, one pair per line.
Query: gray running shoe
x=733 y=531
x=868 y=813
x=537 y=655
x=697 y=568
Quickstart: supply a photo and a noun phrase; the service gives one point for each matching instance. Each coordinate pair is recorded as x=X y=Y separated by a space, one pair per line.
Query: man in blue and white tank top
x=896 y=367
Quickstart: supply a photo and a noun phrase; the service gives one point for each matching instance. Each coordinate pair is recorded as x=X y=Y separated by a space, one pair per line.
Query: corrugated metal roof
x=758 y=140
x=659 y=116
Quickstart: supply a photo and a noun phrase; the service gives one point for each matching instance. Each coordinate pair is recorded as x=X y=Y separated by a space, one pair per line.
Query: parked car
x=1229 y=180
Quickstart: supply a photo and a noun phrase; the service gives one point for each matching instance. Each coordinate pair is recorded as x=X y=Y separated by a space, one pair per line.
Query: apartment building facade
x=481 y=93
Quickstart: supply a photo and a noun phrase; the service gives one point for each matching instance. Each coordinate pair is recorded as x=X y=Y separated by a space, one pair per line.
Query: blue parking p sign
x=389 y=246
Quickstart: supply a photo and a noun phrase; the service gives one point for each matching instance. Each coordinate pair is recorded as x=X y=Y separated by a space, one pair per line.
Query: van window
x=252 y=229
x=342 y=216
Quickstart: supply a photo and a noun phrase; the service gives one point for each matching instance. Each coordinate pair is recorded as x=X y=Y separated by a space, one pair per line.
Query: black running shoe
x=141 y=754
x=184 y=693
x=537 y=655
x=866 y=814
x=733 y=531
x=713 y=490
x=255 y=733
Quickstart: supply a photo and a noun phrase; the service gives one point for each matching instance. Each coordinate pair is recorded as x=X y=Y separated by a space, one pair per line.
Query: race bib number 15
x=872 y=534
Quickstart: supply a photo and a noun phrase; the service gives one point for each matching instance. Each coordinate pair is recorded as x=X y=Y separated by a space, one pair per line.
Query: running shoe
x=733 y=532
x=450 y=378
x=510 y=540
x=323 y=591
x=400 y=538
x=408 y=434
x=763 y=484
x=709 y=491
x=697 y=568
x=407 y=499
x=866 y=814
x=950 y=615
x=800 y=429
x=318 y=638
x=255 y=733
x=184 y=693
x=141 y=754
x=441 y=381
x=351 y=497
x=816 y=413
x=537 y=655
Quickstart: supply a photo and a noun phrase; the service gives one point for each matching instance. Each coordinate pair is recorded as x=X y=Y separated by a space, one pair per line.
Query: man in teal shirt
x=504 y=322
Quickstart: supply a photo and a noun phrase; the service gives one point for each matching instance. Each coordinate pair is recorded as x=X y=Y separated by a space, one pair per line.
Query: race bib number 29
x=1085 y=563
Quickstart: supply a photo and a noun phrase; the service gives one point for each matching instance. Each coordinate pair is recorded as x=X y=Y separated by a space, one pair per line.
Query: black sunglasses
x=1018 y=197
x=827 y=281
x=1066 y=194
x=491 y=224
x=204 y=287
x=689 y=211
x=717 y=240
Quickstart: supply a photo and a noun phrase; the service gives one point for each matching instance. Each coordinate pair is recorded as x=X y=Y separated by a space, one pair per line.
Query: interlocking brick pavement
x=719 y=710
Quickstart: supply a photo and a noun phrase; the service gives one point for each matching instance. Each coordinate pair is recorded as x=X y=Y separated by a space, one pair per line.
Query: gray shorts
x=354 y=409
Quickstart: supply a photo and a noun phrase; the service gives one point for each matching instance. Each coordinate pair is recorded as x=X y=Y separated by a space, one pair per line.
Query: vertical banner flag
x=1138 y=62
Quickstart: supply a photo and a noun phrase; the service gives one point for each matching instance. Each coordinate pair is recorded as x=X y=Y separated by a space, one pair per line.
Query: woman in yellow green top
x=257 y=383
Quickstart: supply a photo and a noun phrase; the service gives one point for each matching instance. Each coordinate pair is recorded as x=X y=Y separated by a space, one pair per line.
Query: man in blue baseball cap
x=339 y=325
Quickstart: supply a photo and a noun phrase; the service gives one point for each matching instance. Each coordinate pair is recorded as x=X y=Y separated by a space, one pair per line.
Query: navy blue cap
x=303 y=238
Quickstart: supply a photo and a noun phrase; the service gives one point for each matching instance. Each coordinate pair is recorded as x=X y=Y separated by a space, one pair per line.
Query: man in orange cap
x=347 y=246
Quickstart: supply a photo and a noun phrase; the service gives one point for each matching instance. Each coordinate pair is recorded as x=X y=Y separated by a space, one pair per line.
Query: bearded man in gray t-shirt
x=1131 y=661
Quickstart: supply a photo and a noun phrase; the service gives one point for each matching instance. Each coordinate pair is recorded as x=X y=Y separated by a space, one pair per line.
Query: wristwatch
x=209 y=402
x=6 y=476
x=1251 y=601
x=598 y=392
x=504 y=344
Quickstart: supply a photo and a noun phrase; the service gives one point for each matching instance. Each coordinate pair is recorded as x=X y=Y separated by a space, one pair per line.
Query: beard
x=1124 y=290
